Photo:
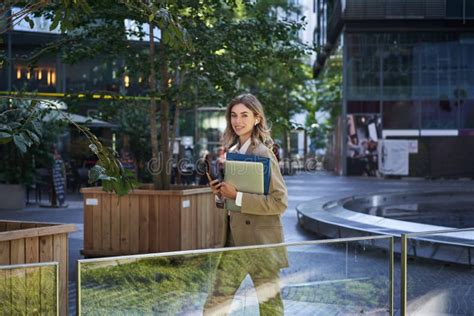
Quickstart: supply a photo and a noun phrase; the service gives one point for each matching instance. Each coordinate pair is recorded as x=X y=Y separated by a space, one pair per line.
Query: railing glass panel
x=438 y=273
x=345 y=276
x=29 y=289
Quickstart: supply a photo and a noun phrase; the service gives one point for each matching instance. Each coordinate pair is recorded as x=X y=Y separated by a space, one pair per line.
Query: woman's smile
x=238 y=128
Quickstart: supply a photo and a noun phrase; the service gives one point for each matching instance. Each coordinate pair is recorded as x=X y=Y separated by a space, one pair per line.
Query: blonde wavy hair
x=261 y=131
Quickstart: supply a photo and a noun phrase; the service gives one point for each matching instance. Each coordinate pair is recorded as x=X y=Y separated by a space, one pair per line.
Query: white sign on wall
x=393 y=157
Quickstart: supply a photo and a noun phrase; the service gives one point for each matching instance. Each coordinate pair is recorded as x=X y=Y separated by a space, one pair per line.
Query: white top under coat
x=242 y=149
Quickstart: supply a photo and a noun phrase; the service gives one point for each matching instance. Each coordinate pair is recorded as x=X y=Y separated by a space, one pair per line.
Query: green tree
x=236 y=46
x=280 y=75
x=21 y=128
x=17 y=129
x=328 y=98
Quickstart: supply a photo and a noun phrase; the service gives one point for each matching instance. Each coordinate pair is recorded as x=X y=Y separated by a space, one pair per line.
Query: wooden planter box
x=149 y=221
x=28 y=242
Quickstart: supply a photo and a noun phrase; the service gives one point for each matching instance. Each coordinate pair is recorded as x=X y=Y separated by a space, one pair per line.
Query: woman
x=257 y=222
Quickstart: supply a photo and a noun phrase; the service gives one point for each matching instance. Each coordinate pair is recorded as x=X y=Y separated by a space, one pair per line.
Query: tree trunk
x=286 y=144
x=152 y=113
x=305 y=156
x=287 y=141
x=165 y=146
x=174 y=131
x=179 y=79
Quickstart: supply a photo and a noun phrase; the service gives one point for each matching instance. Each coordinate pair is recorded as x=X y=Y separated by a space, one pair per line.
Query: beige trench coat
x=259 y=221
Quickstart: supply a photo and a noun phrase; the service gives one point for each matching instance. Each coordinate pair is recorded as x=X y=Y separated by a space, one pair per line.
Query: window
x=454 y=8
x=363 y=107
x=439 y=114
x=466 y=114
x=400 y=115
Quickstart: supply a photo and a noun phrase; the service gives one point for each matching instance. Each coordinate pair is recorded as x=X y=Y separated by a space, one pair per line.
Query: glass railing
x=327 y=277
x=29 y=289
x=437 y=273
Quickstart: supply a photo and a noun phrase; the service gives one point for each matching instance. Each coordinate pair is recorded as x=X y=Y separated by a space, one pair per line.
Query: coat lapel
x=253 y=148
x=250 y=150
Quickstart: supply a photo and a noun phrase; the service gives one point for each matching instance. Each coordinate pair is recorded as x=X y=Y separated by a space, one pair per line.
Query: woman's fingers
x=228 y=190
x=222 y=188
x=215 y=186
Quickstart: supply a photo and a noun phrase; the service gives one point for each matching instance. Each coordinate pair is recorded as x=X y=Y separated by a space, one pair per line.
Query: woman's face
x=242 y=120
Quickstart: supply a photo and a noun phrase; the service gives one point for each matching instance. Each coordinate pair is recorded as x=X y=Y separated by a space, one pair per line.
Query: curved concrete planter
x=13 y=196
x=148 y=221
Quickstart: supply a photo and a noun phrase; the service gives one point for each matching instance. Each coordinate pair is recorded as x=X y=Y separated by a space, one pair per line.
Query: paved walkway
x=434 y=288
x=432 y=277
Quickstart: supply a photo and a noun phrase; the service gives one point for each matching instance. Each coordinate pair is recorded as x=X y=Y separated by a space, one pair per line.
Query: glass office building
x=415 y=80
x=408 y=75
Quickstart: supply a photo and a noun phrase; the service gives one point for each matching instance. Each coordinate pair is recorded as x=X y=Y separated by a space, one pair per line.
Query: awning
x=88 y=121
x=58 y=111
x=79 y=119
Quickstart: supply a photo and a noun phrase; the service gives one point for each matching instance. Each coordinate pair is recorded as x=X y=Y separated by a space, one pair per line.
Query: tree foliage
x=26 y=139
x=326 y=108
x=20 y=123
x=207 y=52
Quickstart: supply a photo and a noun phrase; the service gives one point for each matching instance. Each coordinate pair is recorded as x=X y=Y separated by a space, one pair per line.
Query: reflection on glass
x=440 y=274
x=337 y=278
x=440 y=114
x=466 y=113
x=401 y=114
x=262 y=265
x=28 y=289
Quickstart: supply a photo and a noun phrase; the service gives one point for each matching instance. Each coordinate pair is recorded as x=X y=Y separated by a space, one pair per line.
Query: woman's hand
x=228 y=191
x=216 y=186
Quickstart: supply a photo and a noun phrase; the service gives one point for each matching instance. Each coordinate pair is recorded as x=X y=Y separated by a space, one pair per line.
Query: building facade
x=30 y=69
x=408 y=75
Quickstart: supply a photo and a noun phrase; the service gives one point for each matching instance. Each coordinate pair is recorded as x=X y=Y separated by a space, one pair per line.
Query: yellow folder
x=246 y=176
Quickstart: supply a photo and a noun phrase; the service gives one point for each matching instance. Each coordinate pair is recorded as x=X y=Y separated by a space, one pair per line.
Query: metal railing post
x=403 y=274
x=392 y=274
x=78 y=293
